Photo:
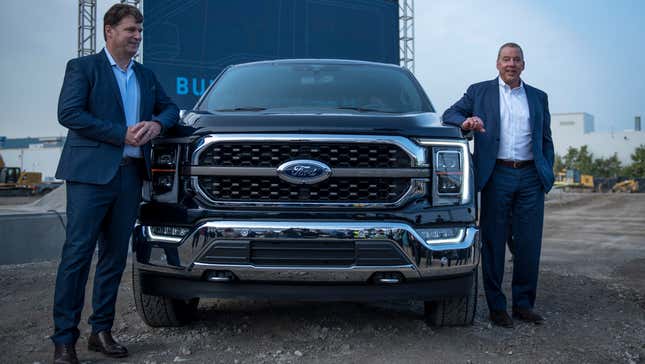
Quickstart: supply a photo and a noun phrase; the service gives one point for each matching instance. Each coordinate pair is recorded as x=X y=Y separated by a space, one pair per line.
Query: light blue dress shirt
x=515 y=139
x=130 y=96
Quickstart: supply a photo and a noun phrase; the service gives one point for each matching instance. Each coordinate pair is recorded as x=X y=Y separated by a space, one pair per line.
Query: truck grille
x=335 y=155
x=256 y=188
x=299 y=253
x=252 y=170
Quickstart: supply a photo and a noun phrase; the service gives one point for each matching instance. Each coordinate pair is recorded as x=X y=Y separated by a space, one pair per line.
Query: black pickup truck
x=321 y=180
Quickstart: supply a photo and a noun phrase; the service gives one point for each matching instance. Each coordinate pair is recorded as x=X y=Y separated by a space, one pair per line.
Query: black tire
x=158 y=311
x=453 y=311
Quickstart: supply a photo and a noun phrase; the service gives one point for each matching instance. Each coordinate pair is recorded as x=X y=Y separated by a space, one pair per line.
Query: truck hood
x=411 y=125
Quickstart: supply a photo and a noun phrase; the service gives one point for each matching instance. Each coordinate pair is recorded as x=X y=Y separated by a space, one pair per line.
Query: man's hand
x=142 y=132
x=130 y=135
x=473 y=123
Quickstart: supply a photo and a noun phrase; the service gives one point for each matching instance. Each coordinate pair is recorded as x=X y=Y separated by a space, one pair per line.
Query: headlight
x=164 y=168
x=451 y=172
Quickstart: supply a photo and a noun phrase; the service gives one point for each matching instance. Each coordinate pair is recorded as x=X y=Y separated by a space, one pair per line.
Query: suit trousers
x=95 y=213
x=512 y=194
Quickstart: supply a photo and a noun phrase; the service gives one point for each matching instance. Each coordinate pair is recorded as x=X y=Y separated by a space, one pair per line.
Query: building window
x=567 y=123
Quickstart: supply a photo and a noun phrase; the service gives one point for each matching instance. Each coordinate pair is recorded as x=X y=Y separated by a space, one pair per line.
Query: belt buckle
x=517 y=164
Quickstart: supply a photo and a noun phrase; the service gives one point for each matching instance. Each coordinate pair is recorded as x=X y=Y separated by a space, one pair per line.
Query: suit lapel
x=493 y=104
x=531 y=98
x=109 y=75
x=143 y=88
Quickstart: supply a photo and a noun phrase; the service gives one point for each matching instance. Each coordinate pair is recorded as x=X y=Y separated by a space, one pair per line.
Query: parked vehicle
x=315 y=180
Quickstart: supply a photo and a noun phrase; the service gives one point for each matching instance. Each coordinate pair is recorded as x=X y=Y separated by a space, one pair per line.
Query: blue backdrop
x=188 y=43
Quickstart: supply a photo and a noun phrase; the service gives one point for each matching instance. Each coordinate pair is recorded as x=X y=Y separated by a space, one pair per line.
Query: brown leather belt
x=514 y=164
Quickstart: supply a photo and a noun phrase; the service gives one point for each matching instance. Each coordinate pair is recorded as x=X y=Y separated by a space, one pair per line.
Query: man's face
x=125 y=37
x=510 y=65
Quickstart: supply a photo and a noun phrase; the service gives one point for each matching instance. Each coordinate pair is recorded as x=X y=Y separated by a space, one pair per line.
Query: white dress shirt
x=515 y=142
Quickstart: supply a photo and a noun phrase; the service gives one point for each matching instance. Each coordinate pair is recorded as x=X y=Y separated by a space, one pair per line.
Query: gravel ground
x=592 y=293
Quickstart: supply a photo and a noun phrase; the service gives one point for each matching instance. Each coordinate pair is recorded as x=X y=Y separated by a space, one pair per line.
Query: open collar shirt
x=130 y=96
x=515 y=141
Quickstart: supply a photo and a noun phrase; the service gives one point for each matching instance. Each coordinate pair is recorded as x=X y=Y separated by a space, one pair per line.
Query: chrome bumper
x=425 y=258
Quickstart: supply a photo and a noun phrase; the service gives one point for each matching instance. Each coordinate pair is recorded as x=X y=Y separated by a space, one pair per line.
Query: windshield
x=339 y=87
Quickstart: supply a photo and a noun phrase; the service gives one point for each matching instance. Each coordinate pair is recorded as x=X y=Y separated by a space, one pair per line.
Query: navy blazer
x=90 y=107
x=482 y=100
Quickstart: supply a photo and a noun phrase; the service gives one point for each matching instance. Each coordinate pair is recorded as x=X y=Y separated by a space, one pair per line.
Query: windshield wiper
x=243 y=108
x=365 y=109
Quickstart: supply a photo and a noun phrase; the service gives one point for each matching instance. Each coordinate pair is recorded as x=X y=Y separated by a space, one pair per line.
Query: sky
x=588 y=55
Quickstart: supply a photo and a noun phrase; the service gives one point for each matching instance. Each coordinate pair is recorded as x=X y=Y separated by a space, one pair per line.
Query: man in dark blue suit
x=113 y=107
x=514 y=168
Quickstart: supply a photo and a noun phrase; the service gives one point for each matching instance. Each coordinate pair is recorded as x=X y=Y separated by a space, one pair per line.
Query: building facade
x=33 y=154
x=577 y=129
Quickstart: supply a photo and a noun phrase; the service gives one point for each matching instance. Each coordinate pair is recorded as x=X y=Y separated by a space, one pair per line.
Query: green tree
x=637 y=168
x=570 y=158
x=606 y=167
x=580 y=159
x=558 y=164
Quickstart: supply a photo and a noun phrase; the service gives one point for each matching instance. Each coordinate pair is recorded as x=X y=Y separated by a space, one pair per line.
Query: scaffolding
x=406 y=34
x=86 y=27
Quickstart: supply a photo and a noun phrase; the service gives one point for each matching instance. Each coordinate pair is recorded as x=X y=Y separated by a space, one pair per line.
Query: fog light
x=220 y=276
x=387 y=278
x=169 y=233
x=442 y=235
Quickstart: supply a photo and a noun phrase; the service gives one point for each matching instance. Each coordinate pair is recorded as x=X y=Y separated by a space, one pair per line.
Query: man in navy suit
x=514 y=168
x=113 y=107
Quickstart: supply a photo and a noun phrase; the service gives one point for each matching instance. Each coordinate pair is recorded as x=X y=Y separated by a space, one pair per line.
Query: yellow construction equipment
x=571 y=180
x=629 y=186
x=15 y=182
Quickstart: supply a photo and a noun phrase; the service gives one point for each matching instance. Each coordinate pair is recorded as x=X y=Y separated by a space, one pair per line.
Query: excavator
x=16 y=182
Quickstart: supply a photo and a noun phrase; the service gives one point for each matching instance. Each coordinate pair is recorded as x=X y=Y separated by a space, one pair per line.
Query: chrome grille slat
x=336 y=155
x=366 y=171
x=241 y=188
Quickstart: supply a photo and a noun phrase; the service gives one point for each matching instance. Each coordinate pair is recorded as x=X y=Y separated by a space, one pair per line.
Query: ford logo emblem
x=304 y=171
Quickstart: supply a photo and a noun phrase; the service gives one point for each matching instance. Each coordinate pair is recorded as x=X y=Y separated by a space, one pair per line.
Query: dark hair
x=510 y=45
x=119 y=11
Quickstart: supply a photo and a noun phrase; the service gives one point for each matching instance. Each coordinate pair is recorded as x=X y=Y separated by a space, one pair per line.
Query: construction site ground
x=591 y=292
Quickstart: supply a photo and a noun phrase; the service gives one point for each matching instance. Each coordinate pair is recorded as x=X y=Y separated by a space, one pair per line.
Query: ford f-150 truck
x=322 y=180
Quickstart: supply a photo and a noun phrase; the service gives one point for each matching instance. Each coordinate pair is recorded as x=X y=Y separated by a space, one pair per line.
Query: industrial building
x=577 y=129
x=32 y=154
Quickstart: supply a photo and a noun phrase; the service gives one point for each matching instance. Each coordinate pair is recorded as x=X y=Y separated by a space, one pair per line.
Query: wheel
x=453 y=311
x=158 y=311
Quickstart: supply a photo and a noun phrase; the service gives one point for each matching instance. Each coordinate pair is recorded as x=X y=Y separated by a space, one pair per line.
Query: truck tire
x=159 y=311
x=453 y=311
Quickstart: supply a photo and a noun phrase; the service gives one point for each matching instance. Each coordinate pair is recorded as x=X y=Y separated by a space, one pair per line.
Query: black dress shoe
x=65 y=354
x=501 y=318
x=104 y=343
x=527 y=315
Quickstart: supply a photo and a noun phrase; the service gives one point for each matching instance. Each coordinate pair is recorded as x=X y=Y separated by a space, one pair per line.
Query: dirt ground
x=592 y=293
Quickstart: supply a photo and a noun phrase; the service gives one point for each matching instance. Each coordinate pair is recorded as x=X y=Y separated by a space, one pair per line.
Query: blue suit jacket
x=90 y=107
x=482 y=100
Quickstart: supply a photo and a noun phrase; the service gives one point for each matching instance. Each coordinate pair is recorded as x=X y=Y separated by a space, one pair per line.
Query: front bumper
x=156 y=284
x=420 y=258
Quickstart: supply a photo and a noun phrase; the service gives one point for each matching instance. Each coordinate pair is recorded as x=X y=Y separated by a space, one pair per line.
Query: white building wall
x=33 y=159
x=577 y=129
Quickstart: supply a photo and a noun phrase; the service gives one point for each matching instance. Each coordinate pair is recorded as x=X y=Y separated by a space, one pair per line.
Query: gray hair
x=510 y=45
